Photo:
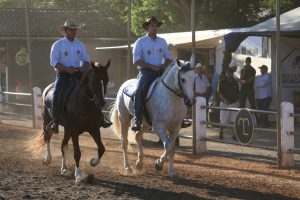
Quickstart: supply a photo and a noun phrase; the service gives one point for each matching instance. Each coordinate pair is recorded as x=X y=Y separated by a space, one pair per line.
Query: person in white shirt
x=67 y=56
x=151 y=55
x=263 y=86
x=202 y=86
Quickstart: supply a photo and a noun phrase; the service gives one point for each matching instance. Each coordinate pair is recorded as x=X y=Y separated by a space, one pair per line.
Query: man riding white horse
x=151 y=55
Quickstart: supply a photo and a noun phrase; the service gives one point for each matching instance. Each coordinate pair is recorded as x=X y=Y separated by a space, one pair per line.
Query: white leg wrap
x=77 y=172
x=64 y=161
x=48 y=156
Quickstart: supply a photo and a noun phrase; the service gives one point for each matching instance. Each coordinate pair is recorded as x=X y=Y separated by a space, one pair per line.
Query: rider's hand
x=71 y=70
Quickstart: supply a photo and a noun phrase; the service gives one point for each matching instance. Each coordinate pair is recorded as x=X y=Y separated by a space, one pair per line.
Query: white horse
x=167 y=107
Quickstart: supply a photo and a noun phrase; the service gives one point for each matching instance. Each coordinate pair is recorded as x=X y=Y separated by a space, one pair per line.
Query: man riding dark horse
x=68 y=55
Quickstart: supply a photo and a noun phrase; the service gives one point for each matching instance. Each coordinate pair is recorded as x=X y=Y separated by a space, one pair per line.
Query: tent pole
x=193 y=53
x=128 y=40
x=278 y=85
x=29 y=59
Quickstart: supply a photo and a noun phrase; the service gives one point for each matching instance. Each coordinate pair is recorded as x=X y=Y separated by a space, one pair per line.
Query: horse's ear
x=107 y=64
x=178 y=62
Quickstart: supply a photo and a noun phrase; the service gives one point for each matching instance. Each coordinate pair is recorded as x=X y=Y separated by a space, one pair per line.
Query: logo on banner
x=290 y=68
x=22 y=57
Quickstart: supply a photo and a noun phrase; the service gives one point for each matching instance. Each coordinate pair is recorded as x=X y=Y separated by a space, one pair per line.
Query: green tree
x=175 y=14
x=210 y=14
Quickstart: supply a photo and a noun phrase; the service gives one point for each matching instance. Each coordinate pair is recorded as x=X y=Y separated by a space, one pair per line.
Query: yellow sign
x=22 y=57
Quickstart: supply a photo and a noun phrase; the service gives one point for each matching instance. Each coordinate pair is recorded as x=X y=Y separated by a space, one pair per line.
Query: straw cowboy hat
x=68 y=24
x=151 y=19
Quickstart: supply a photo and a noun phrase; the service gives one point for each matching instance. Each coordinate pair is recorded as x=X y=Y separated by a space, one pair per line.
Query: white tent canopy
x=289 y=26
x=204 y=39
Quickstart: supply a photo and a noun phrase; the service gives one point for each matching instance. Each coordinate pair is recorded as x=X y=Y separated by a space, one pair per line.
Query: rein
x=80 y=83
x=178 y=80
x=179 y=95
x=169 y=88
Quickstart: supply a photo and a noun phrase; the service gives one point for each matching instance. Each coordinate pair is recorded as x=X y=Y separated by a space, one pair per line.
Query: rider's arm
x=145 y=65
x=61 y=68
x=137 y=53
x=166 y=63
x=166 y=55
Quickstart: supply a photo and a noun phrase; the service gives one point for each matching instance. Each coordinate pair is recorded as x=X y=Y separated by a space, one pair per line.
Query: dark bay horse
x=80 y=107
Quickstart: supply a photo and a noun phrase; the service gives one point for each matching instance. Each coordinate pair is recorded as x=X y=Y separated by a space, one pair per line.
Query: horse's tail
x=36 y=144
x=116 y=127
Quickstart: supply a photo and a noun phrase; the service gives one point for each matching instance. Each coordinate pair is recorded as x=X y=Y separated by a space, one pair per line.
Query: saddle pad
x=131 y=88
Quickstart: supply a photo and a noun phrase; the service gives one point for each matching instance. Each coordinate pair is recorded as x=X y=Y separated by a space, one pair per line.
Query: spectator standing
x=263 y=85
x=202 y=85
x=228 y=90
x=247 y=84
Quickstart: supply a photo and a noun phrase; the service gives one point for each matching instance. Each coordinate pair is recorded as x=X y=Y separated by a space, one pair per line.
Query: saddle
x=130 y=89
x=63 y=96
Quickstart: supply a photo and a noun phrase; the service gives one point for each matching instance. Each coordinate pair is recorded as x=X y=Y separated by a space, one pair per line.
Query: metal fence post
x=200 y=126
x=287 y=134
x=37 y=107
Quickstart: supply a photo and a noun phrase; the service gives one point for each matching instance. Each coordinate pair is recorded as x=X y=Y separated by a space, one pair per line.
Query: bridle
x=82 y=80
x=184 y=68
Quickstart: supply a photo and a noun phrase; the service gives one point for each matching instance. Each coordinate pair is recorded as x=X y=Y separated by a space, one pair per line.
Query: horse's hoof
x=173 y=177
x=128 y=171
x=94 y=162
x=78 y=180
x=158 y=166
x=46 y=162
x=63 y=171
x=139 y=165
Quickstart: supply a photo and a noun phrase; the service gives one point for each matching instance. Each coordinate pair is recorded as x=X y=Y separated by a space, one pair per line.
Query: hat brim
x=146 y=24
x=262 y=68
x=62 y=28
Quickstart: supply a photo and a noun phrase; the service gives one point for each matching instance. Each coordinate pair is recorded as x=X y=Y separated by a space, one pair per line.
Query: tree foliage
x=175 y=14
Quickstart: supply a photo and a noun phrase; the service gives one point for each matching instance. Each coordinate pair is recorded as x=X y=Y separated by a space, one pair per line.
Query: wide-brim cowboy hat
x=151 y=19
x=68 y=24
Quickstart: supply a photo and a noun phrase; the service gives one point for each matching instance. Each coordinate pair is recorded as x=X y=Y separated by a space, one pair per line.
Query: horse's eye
x=182 y=80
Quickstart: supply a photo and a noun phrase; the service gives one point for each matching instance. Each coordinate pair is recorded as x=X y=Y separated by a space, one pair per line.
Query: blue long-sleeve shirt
x=68 y=53
x=152 y=51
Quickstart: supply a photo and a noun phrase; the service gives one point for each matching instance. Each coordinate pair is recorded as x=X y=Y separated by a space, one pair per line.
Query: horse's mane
x=85 y=72
x=168 y=69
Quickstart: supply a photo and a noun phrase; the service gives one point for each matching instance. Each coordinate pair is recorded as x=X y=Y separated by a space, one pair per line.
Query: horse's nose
x=188 y=101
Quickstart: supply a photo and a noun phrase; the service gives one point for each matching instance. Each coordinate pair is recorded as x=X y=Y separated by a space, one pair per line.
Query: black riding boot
x=53 y=125
x=138 y=107
x=136 y=125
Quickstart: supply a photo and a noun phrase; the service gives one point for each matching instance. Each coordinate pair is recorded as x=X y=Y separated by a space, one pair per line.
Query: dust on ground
x=224 y=172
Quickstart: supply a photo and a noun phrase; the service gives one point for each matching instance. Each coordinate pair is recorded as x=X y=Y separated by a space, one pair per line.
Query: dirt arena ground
x=224 y=172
